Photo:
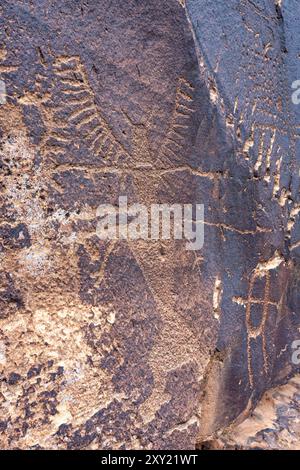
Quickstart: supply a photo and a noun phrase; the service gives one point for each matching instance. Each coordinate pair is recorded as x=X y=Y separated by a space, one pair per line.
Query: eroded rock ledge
x=273 y=425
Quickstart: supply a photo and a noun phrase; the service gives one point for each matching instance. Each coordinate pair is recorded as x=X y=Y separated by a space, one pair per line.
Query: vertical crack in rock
x=272 y=425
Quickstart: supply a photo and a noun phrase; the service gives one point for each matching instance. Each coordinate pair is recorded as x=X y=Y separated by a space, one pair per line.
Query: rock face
x=144 y=344
x=274 y=424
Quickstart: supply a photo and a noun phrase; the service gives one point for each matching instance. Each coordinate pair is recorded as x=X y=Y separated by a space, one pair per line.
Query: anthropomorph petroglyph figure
x=171 y=343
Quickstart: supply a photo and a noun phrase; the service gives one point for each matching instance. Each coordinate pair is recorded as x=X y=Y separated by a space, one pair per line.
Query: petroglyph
x=257 y=310
x=82 y=111
x=181 y=117
x=161 y=105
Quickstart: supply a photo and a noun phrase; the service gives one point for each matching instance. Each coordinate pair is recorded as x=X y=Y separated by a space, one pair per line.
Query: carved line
x=254 y=332
x=82 y=112
x=181 y=116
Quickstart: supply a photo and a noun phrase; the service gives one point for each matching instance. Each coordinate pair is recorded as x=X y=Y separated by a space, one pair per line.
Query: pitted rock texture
x=143 y=344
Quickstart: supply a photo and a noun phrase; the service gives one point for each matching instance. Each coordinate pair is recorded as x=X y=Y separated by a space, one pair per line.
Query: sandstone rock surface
x=143 y=344
x=273 y=425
